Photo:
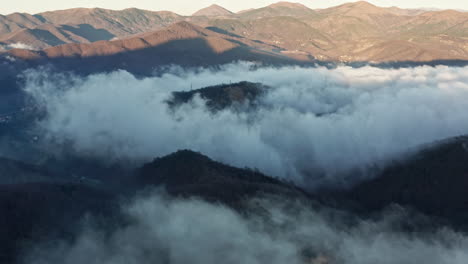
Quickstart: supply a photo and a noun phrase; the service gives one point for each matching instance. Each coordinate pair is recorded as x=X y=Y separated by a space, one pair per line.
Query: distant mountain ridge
x=182 y=43
x=350 y=32
x=213 y=10
x=80 y=25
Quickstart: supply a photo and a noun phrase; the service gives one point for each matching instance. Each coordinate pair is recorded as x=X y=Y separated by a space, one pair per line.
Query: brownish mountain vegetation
x=356 y=31
x=80 y=25
x=182 y=43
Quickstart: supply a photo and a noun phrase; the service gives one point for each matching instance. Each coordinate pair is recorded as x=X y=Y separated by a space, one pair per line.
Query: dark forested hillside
x=433 y=181
x=222 y=96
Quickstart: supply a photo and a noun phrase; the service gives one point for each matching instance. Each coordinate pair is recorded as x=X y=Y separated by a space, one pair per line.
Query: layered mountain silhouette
x=350 y=32
x=45 y=197
x=43 y=210
x=33 y=207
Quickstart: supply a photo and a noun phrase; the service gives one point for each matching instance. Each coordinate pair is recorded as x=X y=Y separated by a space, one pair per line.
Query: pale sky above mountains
x=187 y=7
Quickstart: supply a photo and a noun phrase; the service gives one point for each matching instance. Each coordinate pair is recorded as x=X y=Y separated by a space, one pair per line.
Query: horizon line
x=428 y=9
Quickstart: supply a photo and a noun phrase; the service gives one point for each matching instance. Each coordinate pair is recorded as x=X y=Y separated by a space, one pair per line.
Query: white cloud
x=164 y=230
x=317 y=126
x=18 y=45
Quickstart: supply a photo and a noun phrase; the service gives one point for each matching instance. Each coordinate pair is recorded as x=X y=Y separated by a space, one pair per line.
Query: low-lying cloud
x=165 y=230
x=316 y=127
x=17 y=45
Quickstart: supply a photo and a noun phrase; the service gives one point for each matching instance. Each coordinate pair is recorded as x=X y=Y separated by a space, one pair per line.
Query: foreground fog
x=316 y=126
x=167 y=230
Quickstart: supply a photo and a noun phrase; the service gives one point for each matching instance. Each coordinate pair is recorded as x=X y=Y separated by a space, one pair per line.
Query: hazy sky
x=186 y=7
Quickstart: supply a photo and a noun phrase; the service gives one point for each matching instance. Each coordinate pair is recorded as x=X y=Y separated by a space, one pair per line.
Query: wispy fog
x=163 y=230
x=316 y=126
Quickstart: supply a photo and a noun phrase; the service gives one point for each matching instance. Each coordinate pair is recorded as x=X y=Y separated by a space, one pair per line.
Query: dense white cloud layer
x=162 y=230
x=317 y=124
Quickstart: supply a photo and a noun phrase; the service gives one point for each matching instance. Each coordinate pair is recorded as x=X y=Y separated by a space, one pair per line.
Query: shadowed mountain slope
x=33 y=212
x=80 y=25
x=182 y=43
x=188 y=173
x=15 y=172
x=17 y=21
x=120 y=23
x=433 y=181
x=46 y=35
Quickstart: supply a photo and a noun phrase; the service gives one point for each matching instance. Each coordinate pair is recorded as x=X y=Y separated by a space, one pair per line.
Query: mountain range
x=181 y=43
x=45 y=208
x=321 y=139
x=350 y=32
x=45 y=198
